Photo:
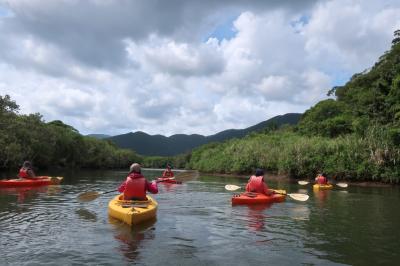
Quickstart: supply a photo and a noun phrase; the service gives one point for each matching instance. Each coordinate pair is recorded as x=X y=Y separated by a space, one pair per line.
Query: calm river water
x=196 y=225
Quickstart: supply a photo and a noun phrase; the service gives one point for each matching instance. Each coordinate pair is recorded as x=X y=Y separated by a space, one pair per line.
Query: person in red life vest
x=26 y=171
x=256 y=184
x=168 y=172
x=135 y=185
x=321 y=179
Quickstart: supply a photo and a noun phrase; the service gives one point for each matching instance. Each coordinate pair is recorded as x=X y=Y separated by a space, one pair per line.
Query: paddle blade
x=299 y=197
x=88 y=196
x=231 y=187
x=342 y=185
x=56 y=180
x=301 y=182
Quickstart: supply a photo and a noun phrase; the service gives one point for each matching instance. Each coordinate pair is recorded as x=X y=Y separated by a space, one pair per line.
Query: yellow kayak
x=132 y=211
x=318 y=186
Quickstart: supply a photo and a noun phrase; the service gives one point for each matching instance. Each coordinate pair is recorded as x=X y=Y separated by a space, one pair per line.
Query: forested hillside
x=354 y=136
x=158 y=145
x=53 y=144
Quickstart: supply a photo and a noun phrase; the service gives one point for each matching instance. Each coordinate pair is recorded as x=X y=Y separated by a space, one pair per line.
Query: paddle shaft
x=110 y=191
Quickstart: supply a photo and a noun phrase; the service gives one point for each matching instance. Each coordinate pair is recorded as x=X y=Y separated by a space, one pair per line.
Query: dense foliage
x=345 y=157
x=179 y=161
x=53 y=144
x=158 y=145
x=355 y=136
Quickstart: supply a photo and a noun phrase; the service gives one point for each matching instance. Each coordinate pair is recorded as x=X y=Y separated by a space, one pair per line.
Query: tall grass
x=348 y=157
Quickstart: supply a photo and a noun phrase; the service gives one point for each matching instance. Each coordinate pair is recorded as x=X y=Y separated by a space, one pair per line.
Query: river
x=196 y=225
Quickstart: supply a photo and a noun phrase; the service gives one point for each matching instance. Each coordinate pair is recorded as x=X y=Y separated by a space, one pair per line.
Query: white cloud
x=108 y=67
x=350 y=34
x=275 y=87
x=184 y=59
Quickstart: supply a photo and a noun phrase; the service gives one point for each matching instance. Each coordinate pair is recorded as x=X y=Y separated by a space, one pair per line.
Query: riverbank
x=286 y=178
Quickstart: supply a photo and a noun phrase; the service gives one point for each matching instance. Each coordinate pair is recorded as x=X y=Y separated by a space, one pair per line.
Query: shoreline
x=282 y=177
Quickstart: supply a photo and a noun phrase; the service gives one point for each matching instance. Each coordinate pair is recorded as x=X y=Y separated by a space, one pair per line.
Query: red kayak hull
x=41 y=181
x=168 y=180
x=256 y=198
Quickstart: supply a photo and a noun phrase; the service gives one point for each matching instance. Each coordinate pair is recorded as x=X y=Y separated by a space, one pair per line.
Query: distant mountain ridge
x=99 y=136
x=158 y=145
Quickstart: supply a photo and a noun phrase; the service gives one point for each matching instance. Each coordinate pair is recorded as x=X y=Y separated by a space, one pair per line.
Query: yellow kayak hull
x=132 y=211
x=321 y=187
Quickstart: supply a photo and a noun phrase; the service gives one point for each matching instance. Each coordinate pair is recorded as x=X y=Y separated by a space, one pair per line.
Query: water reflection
x=131 y=238
x=168 y=187
x=86 y=215
x=27 y=193
x=321 y=196
x=256 y=217
x=299 y=212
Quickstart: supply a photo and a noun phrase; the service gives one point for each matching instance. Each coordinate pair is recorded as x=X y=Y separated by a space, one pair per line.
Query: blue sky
x=184 y=67
x=225 y=30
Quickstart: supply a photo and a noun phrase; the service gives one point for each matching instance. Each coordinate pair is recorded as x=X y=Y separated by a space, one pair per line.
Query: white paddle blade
x=299 y=197
x=342 y=185
x=231 y=187
x=302 y=182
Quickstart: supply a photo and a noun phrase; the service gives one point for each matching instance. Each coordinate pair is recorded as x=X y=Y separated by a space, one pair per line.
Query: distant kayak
x=318 y=186
x=40 y=181
x=132 y=211
x=258 y=198
x=170 y=180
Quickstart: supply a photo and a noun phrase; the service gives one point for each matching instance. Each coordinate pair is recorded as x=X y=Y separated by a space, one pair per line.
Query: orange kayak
x=258 y=198
x=40 y=181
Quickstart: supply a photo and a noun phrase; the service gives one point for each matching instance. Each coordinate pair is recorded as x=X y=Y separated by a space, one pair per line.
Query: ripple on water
x=196 y=224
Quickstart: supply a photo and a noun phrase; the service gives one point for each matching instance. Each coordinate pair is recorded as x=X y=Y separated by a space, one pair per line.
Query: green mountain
x=158 y=145
x=99 y=136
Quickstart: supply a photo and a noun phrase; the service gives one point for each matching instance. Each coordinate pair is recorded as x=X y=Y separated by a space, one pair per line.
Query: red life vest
x=23 y=173
x=168 y=173
x=135 y=187
x=322 y=180
x=256 y=184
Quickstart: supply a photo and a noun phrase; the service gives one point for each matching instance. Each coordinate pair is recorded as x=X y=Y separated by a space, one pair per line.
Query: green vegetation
x=158 y=145
x=179 y=161
x=287 y=152
x=355 y=136
x=53 y=144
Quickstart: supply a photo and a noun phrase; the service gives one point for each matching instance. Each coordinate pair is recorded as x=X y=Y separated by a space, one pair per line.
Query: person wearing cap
x=168 y=172
x=26 y=171
x=256 y=183
x=321 y=179
x=135 y=186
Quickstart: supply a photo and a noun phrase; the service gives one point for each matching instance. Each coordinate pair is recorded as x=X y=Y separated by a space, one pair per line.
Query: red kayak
x=40 y=181
x=170 y=180
x=257 y=198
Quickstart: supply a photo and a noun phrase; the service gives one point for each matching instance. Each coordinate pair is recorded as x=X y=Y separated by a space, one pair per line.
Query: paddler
x=136 y=185
x=321 y=179
x=26 y=171
x=168 y=172
x=256 y=183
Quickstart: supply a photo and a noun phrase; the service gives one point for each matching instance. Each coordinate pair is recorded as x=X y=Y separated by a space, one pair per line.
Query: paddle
x=341 y=184
x=295 y=196
x=55 y=180
x=301 y=182
x=92 y=195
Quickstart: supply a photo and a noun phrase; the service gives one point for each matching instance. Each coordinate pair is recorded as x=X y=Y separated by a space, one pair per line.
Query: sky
x=184 y=66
